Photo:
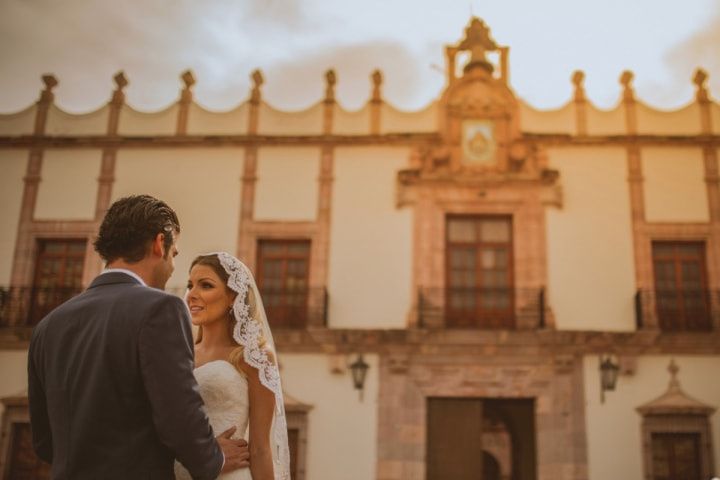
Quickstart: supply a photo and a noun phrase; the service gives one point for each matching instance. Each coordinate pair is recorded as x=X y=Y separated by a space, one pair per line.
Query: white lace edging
x=248 y=332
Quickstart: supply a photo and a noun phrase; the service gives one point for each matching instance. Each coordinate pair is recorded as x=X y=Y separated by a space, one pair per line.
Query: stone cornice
x=399 y=139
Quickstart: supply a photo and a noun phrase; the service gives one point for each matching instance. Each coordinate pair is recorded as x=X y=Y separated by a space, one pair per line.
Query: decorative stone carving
x=700 y=80
x=398 y=362
x=477 y=40
x=626 y=80
x=377 y=80
x=50 y=81
x=330 y=81
x=578 y=80
x=258 y=80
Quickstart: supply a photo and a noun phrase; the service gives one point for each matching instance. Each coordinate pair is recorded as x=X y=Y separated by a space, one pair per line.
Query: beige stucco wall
x=13 y=372
x=605 y=122
x=685 y=121
x=715 y=118
x=143 y=124
x=393 y=120
x=60 y=122
x=287 y=183
x=13 y=163
x=674 y=186
x=614 y=427
x=591 y=279
x=351 y=123
x=342 y=430
x=370 y=241
x=18 y=123
x=206 y=122
x=61 y=168
x=201 y=185
x=561 y=120
x=302 y=122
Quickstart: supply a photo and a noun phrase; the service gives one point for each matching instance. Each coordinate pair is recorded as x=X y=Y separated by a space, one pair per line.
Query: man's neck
x=139 y=268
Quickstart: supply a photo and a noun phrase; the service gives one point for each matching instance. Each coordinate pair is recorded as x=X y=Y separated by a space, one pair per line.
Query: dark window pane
x=283 y=277
x=479 y=272
x=680 y=285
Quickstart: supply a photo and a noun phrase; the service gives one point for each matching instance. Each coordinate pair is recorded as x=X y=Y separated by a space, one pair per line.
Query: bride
x=236 y=366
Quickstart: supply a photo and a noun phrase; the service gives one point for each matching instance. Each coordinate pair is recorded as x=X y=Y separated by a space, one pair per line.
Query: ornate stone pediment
x=479 y=95
x=481 y=145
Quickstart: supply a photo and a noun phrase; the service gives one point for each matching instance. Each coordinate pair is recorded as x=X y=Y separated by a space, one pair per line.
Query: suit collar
x=114 y=277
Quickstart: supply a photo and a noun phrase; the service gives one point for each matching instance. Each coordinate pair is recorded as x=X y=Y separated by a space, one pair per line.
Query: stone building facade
x=484 y=258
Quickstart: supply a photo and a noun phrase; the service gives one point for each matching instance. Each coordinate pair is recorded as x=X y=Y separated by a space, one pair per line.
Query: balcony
x=482 y=308
x=23 y=307
x=678 y=310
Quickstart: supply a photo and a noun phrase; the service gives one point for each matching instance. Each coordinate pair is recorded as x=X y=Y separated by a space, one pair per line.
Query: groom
x=110 y=372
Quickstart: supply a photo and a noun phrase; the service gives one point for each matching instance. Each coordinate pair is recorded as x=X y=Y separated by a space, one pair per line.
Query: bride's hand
x=237 y=453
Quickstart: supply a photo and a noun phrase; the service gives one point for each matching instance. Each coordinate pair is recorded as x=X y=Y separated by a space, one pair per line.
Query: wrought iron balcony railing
x=293 y=309
x=26 y=306
x=482 y=308
x=678 y=310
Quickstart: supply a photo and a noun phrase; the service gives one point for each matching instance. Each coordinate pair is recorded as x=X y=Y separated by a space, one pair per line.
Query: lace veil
x=252 y=332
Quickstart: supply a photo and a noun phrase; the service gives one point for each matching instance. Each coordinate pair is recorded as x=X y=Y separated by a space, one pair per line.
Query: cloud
x=84 y=43
x=301 y=82
x=700 y=50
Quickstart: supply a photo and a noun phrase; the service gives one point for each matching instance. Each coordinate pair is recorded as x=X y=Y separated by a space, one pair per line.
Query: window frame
x=492 y=318
x=680 y=319
x=287 y=316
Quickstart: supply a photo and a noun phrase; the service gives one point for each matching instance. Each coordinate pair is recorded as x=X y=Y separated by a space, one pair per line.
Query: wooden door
x=454 y=439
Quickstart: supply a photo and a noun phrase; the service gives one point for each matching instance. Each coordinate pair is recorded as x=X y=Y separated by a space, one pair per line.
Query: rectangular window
x=676 y=456
x=681 y=292
x=58 y=275
x=283 y=280
x=479 y=266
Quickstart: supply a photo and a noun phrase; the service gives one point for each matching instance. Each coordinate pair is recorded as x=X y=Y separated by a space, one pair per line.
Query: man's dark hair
x=129 y=226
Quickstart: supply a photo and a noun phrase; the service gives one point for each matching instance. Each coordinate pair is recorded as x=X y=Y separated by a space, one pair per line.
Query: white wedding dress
x=225 y=393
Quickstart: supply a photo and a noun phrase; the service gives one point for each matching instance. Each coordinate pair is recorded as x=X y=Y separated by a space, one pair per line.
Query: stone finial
x=626 y=80
x=578 y=80
x=700 y=79
x=377 y=79
x=478 y=42
x=257 y=80
x=188 y=79
x=330 y=80
x=121 y=82
x=50 y=82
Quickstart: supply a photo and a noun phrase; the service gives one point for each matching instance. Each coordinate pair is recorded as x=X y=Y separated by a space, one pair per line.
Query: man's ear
x=158 y=245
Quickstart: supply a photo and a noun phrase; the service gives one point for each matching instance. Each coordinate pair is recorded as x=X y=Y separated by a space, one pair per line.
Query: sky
x=85 y=42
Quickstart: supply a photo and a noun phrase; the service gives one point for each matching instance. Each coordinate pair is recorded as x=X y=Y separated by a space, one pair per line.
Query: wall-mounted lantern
x=359 y=370
x=609 y=370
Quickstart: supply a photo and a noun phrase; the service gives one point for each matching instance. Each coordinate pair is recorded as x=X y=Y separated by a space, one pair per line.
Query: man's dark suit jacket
x=111 y=387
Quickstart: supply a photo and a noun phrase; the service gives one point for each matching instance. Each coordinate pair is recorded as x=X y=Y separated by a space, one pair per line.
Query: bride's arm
x=262 y=407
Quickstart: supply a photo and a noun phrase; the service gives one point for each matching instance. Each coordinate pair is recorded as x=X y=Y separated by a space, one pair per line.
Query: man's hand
x=237 y=453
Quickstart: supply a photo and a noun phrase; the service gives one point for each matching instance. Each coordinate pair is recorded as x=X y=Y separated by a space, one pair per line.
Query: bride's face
x=207 y=297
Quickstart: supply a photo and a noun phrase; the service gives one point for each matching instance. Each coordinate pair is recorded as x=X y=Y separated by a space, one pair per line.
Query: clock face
x=478 y=142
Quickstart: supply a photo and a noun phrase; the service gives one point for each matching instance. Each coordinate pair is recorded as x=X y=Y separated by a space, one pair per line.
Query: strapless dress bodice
x=225 y=392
